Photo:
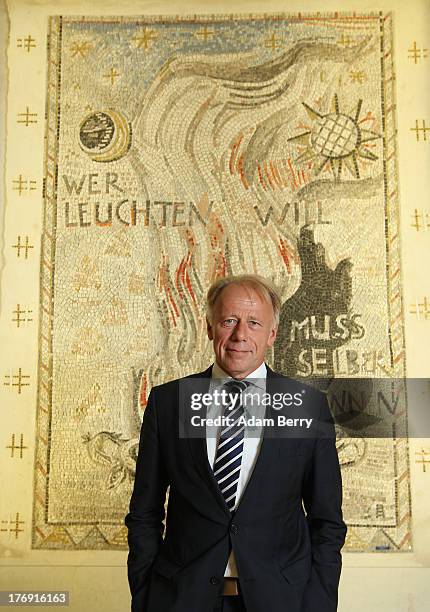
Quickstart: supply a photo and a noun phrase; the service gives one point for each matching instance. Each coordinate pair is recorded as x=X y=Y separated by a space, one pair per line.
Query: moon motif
x=105 y=135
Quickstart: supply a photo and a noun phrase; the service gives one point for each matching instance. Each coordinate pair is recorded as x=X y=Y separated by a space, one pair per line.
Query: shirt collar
x=259 y=375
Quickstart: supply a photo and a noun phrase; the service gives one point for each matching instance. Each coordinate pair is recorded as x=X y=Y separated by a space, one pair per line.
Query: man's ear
x=272 y=336
x=209 y=329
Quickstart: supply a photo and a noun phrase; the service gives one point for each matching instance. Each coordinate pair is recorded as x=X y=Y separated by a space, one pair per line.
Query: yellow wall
x=97 y=579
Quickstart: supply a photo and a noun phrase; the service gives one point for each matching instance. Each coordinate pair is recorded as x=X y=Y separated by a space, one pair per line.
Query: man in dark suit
x=237 y=536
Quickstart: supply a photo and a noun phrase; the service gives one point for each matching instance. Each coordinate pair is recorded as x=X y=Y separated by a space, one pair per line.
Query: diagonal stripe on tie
x=227 y=449
x=230 y=463
x=228 y=457
x=228 y=443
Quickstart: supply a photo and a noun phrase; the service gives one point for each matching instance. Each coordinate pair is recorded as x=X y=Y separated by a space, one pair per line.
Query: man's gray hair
x=262 y=286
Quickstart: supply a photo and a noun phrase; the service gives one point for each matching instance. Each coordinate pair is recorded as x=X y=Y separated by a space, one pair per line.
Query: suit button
x=234 y=528
x=214 y=580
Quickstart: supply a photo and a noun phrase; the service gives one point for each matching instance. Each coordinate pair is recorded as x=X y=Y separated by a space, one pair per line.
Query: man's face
x=242 y=328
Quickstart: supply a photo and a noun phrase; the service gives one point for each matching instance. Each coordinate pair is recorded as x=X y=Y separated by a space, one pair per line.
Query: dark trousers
x=230 y=603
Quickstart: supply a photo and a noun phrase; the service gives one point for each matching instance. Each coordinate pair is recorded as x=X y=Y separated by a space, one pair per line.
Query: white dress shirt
x=252 y=435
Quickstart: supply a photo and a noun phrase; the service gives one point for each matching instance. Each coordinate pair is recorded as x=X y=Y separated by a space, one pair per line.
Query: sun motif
x=335 y=140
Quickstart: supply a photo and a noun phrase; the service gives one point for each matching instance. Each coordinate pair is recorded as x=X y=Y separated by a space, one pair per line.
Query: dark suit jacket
x=287 y=561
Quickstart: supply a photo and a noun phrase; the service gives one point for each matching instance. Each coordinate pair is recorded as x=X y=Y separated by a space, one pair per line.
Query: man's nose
x=240 y=331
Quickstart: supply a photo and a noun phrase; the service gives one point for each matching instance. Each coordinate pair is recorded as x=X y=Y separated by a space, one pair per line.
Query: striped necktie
x=228 y=456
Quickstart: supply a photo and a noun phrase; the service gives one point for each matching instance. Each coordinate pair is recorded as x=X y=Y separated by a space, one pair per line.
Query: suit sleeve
x=145 y=518
x=322 y=498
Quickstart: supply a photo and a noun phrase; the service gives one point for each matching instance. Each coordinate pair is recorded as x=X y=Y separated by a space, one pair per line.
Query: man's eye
x=254 y=323
x=229 y=321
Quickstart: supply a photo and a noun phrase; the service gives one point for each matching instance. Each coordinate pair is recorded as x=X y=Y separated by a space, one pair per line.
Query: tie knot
x=236 y=386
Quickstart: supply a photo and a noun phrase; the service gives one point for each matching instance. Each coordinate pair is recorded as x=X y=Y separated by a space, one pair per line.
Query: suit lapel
x=198 y=446
x=268 y=449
